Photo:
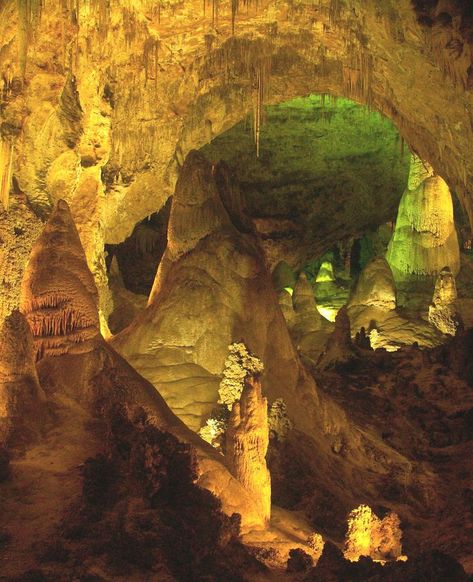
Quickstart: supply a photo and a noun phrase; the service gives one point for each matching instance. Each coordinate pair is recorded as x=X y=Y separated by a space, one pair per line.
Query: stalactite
x=234 y=13
x=6 y=166
x=151 y=58
x=29 y=14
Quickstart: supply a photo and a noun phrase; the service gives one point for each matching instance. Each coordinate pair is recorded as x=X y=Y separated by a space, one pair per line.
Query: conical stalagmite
x=339 y=346
x=425 y=238
x=212 y=289
x=307 y=318
x=375 y=287
x=58 y=294
x=287 y=308
x=247 y=440
x=22 y=400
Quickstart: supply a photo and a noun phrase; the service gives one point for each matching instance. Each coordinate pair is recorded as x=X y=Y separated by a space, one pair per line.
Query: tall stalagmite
x=212 y=288
x=425 y=239
x=308 y=318
x=247 y=440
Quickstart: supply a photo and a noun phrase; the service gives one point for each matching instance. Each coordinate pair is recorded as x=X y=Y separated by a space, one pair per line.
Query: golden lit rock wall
x=101 y=105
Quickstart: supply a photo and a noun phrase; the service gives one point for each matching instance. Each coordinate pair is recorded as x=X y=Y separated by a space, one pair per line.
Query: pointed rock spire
x=308 y=318
x=58 y=295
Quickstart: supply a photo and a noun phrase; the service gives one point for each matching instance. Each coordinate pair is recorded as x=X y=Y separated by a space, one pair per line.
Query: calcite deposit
x=425 y=239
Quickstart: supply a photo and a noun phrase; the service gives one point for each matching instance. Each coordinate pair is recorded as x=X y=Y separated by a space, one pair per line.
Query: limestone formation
x=367 y=535
x=212 y=289
x=287 y=308
x=22 y=400
x=442 y=311
x=425 y=239
x=279 y=422
x=375 y=287
x=307 y=317
x=247 y=440
x=339 y=347
x=77 y=364
x=325 y=274
x=58 y=295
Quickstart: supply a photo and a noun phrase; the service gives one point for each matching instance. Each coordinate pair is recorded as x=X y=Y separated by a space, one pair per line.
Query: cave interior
x=236 y=290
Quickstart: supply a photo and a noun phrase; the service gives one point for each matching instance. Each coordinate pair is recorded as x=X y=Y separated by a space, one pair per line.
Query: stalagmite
x=22 y=400
x=442 y=311
x=425 y=239
x=367 y=535
x=212 y=289
x=58 y=294
x=339 y=348
x=247 y=440
x=307 y=317
x=375 y=287
x=287 y=308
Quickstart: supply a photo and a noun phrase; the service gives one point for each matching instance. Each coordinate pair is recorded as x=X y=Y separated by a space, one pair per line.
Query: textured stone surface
x=212 y=289
x=22 y=400
x=442 y=311
x=307 y=318
x=58 y=294
x=425 y=239
x=375 y=287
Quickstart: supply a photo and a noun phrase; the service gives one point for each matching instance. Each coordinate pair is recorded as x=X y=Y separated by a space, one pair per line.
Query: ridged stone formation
x=307 y=317
x=425 y=239
x=375 y=287
x=58 y=293
x=212 y=289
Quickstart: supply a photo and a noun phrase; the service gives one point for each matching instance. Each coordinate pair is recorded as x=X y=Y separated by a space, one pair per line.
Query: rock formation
x=367 y=535
x=287 y=308
x=307 y=318
x=425 y=239
x=442 y=311
x=247 y=440
x=76 y=363
x=212 y=289
x=339 y=347
x=58 y=294
x=283 y=277
x=23 y=412
x=375 y=287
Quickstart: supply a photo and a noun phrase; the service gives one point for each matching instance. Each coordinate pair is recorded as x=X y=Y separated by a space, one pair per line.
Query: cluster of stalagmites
x=368 y=535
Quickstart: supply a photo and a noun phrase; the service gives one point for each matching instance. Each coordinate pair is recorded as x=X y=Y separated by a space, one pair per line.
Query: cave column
x=247 y=440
